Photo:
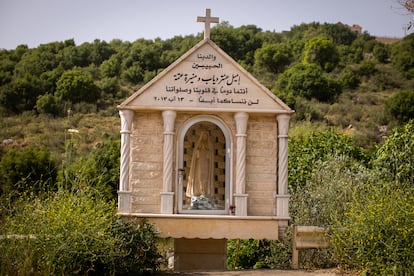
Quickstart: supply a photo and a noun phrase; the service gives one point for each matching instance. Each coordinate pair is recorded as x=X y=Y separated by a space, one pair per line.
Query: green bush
x=305 y=150
x=28 y=170
x=308 y=81
x=401 y=106
x=75 y=233
x=395 y=158
x=98 y=171
x=378 y=233
x=245 y=254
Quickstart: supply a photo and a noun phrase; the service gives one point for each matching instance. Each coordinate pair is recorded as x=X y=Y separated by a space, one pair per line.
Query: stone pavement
x=256 y=272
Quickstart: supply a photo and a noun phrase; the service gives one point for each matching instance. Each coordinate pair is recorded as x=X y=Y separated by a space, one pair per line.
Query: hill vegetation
x=350 y=140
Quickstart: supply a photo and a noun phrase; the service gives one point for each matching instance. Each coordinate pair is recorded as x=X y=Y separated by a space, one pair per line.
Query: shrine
x=204 y=156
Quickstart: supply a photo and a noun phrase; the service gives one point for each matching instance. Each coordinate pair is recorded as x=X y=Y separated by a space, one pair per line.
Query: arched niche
x=215 y=197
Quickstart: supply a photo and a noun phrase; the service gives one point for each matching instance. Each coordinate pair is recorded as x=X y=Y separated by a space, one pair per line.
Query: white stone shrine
x=204 y=156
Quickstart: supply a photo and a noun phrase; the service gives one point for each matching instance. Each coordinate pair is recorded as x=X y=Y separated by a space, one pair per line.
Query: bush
x=98 y=171
x=378 y=232
x=306 y=150
x=245 y=254
x=401 y=106
x=394 y=159
x=76 y=233
x=29 y=170
x=308 y=81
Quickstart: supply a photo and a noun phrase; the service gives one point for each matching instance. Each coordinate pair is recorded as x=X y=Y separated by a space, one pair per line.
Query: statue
x=201 y=176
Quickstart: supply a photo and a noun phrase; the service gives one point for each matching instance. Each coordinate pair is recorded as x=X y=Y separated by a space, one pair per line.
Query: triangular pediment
x=205 y=78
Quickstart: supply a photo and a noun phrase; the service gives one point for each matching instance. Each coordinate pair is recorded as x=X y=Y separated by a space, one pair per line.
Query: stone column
x=124 y=195
x=167 y=194
x=240 y=198
x=282 y=197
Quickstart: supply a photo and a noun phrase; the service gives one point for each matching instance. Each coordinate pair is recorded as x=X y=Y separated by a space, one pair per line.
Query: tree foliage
x=402 y=56
x=76 y=86
x=30 y=170
x=401 y=106
x=321 y=51
x=101 y=71
x=306 y=150
x=395 y=158
x=273 y=57
x=308 y=81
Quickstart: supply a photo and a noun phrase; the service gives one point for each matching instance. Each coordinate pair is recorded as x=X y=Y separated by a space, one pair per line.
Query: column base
x=167 y=202
x=240 y=201
x=124 y=202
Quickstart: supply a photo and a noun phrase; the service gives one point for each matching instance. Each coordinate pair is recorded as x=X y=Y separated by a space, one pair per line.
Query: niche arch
x=219 y=200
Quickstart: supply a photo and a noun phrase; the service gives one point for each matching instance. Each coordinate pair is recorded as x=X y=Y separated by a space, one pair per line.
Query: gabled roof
x=205 y=79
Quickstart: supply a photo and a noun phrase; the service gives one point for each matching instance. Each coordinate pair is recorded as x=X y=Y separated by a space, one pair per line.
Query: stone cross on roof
x=207 y=21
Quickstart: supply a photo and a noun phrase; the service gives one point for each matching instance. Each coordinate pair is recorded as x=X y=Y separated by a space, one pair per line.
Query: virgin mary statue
x=201 y=176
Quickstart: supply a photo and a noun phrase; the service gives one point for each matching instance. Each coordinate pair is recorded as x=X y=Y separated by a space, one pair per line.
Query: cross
x=207 y=21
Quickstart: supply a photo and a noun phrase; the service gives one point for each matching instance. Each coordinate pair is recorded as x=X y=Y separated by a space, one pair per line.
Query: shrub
x=378 y=232
x=244 y=254
x=76 y=233
x=29 y=170
x=349 y=78
x=325 y=199
x=98 y=171
x=401 y=106
x=394 y=159
x=308 y=81
x=306 y=150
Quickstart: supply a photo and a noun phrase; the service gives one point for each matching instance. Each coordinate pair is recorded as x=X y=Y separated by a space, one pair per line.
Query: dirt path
x=257 y=272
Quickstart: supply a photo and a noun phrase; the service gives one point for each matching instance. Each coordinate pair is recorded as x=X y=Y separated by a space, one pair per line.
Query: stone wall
x=261 y=165
x=146 y=162
x=146 y=165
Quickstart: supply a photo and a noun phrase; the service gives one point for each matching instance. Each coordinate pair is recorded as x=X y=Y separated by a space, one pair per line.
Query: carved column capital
x=283 y=124
x=169 y=119
x=126 y=120
x=241 y=122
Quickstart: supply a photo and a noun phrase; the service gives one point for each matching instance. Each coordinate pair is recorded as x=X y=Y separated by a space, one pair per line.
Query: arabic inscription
x=206 y=82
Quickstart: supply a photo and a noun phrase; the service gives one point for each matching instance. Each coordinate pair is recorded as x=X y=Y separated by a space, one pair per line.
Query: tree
x=47 y=104
x=402 y=56
x=273 y=57
x=339 y=33
x=380 y=52
x=240 y=43
x=27 y=170
x=20 y=94
x=308 y=81
x=76 y=86
x=323 y=52
x=401 y=106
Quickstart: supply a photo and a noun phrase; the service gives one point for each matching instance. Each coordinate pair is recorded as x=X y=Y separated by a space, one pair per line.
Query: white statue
x=201 y=176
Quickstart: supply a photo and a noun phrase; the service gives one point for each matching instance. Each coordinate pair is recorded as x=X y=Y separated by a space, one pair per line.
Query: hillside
x=358 y=73
x=350 y=147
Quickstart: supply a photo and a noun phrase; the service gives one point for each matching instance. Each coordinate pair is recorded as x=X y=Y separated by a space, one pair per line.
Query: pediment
x=205 y=78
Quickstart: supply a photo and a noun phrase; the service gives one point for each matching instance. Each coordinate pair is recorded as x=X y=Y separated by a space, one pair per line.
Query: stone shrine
x=204 y=156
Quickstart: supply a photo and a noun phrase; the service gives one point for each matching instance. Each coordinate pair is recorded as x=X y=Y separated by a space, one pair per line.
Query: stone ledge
x=214 y=226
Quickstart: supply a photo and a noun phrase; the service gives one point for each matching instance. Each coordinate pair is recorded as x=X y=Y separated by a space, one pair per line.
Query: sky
x=35 y=22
